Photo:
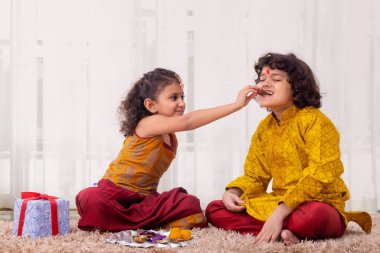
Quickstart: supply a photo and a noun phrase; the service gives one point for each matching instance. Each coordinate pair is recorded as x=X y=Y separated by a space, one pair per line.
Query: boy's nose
x=264 y=84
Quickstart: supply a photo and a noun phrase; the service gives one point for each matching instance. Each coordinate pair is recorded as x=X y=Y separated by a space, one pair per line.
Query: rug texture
x=206 y=240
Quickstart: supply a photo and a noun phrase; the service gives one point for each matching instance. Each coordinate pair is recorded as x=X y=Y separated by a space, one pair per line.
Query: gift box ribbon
x=27 y=196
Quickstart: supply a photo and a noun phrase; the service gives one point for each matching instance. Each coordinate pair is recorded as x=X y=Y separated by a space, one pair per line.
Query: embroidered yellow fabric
x=301 y=155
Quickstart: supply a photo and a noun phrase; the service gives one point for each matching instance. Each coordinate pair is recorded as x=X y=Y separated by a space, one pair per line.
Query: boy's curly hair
x=305 y=89
x=132 y=108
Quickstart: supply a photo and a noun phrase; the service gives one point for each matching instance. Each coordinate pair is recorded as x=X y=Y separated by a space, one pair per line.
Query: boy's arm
x=256 y=174
x=232 y=201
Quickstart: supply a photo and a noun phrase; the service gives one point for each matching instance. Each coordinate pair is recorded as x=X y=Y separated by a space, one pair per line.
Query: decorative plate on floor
x=146 y=239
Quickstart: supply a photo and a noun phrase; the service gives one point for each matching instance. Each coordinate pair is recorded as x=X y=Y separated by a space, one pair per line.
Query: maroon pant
x=112 y=208
x=311 y=220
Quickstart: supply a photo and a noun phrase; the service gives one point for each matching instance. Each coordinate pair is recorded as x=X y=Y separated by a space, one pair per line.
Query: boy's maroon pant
x=311 y=220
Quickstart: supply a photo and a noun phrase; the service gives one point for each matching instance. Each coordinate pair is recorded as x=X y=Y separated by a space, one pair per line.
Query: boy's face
x=275 y=81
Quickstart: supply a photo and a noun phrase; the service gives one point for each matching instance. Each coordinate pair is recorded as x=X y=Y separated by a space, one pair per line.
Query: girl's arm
x=158 y=124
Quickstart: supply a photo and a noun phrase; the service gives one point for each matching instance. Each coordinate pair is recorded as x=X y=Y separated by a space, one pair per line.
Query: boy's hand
x=272 y=228
x=232 y=201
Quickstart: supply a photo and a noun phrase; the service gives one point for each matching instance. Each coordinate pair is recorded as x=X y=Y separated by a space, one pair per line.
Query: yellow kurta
x=301 y=155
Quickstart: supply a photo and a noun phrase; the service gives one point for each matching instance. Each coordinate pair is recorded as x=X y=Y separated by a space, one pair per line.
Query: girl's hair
x=305 y=89
x=132 y=108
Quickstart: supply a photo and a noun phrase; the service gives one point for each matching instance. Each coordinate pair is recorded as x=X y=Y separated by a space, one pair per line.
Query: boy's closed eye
x=275 y=79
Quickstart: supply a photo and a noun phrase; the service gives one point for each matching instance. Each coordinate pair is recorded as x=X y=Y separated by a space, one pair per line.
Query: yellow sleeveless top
x=141 y=163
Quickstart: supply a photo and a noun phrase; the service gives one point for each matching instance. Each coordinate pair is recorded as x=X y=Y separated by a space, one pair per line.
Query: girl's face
x=275 y=81
x=170 y=101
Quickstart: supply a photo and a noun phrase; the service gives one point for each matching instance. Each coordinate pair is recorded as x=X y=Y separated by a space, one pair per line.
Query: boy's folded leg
x=218 y=215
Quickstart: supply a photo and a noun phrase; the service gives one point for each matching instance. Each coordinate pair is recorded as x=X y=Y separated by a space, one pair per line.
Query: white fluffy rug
x=206 y=240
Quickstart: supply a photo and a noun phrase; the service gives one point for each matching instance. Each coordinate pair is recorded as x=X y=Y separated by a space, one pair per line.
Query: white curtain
x=65 y=65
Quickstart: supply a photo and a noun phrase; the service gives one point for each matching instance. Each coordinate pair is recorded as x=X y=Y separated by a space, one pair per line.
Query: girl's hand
x=232 y=201
x=245 y=95
x=273 y=226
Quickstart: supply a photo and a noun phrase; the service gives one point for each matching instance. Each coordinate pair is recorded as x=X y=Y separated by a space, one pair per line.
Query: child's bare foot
x=288 y=237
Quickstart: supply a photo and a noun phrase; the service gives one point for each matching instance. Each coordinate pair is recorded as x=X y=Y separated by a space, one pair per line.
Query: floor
x=6 y=215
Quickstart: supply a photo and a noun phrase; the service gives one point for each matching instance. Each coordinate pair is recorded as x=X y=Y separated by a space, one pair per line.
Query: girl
x=126 y=196
x=297 y=147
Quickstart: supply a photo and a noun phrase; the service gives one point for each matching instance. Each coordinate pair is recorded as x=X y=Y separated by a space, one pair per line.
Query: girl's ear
x=150 y=105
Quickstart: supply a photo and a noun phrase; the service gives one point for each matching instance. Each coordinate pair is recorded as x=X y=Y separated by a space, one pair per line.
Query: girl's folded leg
x=197 y=220
x=103 y=207
x=174 y=208
x=112 y=208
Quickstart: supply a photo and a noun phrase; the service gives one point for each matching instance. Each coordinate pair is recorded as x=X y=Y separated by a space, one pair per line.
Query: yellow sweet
x=185 y=234
x=175 y=234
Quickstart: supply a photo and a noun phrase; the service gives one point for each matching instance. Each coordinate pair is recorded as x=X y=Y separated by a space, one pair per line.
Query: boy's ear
x=150 y=105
